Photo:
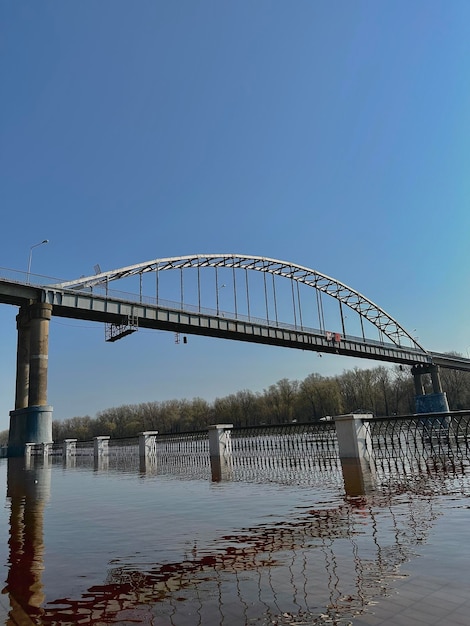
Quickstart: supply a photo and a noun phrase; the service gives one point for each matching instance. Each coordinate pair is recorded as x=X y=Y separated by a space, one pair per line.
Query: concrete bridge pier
x=435 y=402
x=31 y=420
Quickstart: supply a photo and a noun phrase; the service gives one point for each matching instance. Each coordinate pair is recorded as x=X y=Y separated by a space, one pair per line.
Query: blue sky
x=335 y=135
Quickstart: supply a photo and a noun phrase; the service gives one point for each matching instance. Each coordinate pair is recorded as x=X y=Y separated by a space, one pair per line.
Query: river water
x=81 y=545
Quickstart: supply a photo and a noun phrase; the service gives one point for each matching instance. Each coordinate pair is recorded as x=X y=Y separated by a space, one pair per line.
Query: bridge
x=230 y=296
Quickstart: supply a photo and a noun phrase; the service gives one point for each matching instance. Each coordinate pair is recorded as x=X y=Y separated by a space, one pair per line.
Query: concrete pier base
x=435 y=402
x=431 y=403
x=33 y=424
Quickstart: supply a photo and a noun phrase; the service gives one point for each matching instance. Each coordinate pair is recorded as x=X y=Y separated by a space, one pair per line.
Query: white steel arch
x=312 y=278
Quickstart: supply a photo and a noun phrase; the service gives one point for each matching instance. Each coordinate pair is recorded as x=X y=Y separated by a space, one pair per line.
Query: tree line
x=383 y=391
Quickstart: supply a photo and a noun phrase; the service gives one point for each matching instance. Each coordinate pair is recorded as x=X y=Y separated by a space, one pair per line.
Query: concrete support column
x=436 y=379
x=418 y=381
x=355 y=451
x=40 y=314
x=220 y=450
x=148 y=450
x=22 y=359
x=31 y=420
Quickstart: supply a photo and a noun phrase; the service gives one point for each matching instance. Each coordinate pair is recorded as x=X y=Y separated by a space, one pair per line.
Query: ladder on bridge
x=118 y=330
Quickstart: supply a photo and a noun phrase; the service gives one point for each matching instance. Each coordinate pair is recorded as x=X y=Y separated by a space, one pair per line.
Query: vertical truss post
x=300 y=306
x=199 y=288
x=247 y=293
x=156 y=284
x=181 y=287
x=293 y=297
x=265 y=295
x=275 y=300
x=342 y=317
x=318 y=298
x=234 y=291
x=362 y=327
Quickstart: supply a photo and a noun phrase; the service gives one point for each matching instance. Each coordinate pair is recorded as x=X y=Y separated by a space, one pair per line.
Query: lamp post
x=31 y=256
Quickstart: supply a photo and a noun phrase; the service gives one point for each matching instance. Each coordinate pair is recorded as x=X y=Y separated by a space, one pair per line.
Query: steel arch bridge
x=297 y=274
x=265 y=300
x=271 y=302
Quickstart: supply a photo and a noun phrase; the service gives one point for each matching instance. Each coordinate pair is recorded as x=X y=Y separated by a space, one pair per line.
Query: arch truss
x=297 y=274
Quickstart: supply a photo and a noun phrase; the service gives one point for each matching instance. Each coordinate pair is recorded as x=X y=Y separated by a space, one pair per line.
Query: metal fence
x=300 y=453
x=421 y=435
x=303 y=453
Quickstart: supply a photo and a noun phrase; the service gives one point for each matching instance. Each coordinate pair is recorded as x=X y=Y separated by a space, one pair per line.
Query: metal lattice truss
x=321 y=282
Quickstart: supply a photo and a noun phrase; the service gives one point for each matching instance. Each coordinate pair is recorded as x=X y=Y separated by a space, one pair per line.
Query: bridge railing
x=25 y=278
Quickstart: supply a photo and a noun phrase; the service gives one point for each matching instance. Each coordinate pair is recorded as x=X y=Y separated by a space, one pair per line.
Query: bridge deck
x=108 y=309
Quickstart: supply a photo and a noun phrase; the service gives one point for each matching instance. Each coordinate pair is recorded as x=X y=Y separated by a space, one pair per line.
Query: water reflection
x=323 y=563
x=28 y=490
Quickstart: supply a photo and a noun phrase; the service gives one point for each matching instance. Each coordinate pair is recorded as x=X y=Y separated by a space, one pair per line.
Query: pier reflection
x=28 y=490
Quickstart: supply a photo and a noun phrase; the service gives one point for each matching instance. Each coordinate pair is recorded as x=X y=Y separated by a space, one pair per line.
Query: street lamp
x=31 y=255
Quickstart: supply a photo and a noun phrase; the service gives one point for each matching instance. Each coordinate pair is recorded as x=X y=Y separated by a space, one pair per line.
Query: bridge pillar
x=435 y=402
x=31 y=421
x=22 y=359
x=41 y=313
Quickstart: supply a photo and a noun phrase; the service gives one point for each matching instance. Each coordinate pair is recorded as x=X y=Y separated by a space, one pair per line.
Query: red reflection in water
x=129 y=595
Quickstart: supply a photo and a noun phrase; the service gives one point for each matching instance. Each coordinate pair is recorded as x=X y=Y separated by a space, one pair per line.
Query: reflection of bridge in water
x=238 y=297
x=320 y=563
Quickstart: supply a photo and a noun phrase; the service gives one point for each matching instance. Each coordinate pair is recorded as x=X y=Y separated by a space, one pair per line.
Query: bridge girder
x=312 y=278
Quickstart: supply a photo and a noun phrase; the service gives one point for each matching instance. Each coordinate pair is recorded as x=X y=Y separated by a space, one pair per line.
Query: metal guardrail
x=421 y=435
x=295 y=453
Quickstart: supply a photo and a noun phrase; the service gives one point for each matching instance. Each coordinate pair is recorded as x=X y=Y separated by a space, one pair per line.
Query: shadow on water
x=322 y=564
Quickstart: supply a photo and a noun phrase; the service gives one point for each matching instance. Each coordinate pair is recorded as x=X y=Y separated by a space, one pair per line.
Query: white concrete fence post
x=69 y=452
x=148 y=450
x=220 y=450
x=69 y=447
x=355 y=452
x=101 y=450
x=27 y=452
